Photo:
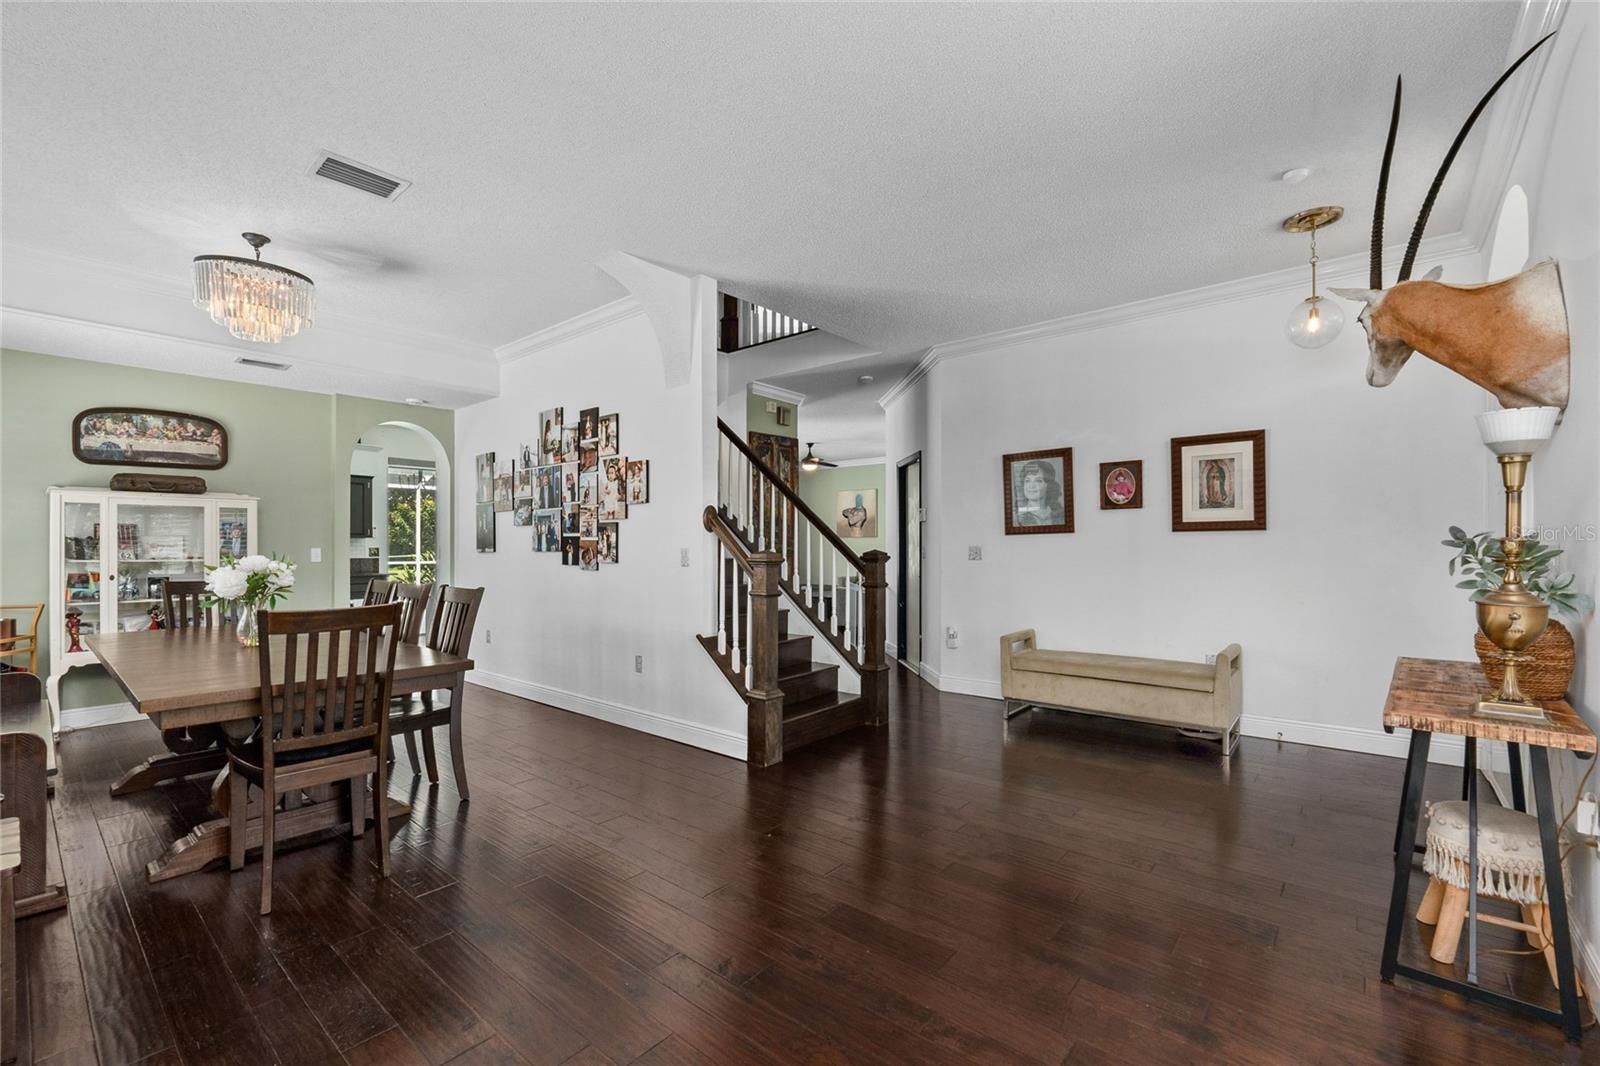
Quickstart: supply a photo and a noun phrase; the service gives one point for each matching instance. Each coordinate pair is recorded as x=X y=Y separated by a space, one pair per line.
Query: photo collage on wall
x=571 y=488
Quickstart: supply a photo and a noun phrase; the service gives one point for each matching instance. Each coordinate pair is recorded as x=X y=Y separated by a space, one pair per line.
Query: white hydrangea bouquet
x=247 y=585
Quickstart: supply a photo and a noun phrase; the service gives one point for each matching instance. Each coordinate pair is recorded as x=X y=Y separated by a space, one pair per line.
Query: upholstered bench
x=1197 y=698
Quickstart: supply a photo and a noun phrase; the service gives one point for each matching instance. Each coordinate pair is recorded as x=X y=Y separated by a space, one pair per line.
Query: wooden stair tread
x=815 y=704
x=804 y=670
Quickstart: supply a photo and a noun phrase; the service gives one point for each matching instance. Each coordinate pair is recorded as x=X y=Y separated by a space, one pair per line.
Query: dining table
x=198 y=682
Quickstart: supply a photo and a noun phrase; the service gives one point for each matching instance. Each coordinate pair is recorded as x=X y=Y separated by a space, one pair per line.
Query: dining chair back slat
x=379 y=590
x=181 y=604
x=319 y=700
x=413 y=599
x=454 y=617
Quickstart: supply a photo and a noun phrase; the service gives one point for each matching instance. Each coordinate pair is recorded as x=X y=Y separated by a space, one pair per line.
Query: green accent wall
x=820 y=489
x=289 y=448
x=760 y=420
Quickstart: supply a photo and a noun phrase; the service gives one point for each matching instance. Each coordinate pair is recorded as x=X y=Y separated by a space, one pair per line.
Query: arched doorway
x=399 y=517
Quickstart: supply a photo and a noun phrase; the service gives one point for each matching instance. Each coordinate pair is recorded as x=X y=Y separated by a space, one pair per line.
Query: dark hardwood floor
x=948 y=890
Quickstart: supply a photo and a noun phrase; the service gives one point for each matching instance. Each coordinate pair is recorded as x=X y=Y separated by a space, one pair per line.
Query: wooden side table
x=1429 y=696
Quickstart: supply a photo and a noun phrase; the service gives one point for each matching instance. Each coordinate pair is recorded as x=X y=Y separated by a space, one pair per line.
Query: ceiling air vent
x=261 y=364
x=358 y=176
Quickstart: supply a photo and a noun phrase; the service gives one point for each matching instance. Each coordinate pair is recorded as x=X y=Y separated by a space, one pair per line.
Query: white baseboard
x=695 y=734
x=104 y=714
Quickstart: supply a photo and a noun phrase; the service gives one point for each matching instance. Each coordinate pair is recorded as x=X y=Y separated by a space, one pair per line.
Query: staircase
x=774 y=556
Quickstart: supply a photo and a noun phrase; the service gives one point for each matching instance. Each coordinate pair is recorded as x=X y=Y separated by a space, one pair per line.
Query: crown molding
x=1290 y=279
x=774 y=392
x=570 y=329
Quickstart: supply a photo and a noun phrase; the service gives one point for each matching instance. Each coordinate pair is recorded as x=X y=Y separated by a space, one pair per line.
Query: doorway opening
x=908 y=607
x=399 y=507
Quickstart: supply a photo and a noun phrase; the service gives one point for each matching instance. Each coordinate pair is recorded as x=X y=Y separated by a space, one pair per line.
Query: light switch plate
x=316 y=555
x=974 y=553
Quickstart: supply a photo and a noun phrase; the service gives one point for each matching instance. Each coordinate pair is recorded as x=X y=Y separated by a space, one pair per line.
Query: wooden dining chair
x=22 y=643
x=324 y=719
x=181 y=605
x=379 y=590
x=455 y=612
x=413 y=600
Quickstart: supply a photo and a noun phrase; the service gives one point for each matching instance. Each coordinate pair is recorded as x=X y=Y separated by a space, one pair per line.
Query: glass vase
x=247 y=631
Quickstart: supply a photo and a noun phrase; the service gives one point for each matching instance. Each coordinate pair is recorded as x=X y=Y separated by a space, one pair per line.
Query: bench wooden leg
x=1428 y=909
x=1447 y=934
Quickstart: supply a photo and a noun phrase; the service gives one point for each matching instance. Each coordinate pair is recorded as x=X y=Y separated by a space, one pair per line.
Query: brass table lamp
x=1511 y=616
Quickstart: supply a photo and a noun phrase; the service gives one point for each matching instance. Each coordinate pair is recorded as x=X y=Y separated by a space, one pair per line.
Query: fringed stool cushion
x=1510 y=862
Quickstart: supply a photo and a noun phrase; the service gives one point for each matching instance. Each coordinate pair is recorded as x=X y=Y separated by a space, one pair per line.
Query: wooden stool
x=1510 y=868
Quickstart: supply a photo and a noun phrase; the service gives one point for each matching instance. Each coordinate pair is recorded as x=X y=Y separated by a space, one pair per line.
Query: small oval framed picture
x=137 y=436
x=1038 y=487
x=1122 y=485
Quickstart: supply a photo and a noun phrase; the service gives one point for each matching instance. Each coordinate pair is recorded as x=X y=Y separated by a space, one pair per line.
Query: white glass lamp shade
x=1314 y=322
x=1517 y=430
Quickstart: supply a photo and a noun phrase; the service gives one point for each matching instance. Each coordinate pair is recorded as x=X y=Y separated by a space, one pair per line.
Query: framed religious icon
x=138 y=436
x=1219 y=482
x=1038 y=489
x=1122 y=485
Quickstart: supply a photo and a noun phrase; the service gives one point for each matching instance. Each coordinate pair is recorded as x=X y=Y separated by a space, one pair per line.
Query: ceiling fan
x=811 y=462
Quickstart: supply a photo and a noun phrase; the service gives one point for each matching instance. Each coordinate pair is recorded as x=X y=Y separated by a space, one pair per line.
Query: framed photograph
x=486 y=477
x=569 y=521
x=1038 y=487
x=1122 y=485
x=569 y=445
x=522 y=483
x=1219 y=482
x=550 y=435
x=588 y=523
x=137 y=436
x=638 y=481
x=546 y=531
x=857 y=513
x=610 y=434
x=522 y=513
x=613 y=488
x=569 y=484
x=486 y=527
x=569 y=551
x=588 y=458
x=503 y=478
x=588 y=427
x=588 y=555
x=528 y=456
x=606 y=546
x=547 y=487
x=589 y=488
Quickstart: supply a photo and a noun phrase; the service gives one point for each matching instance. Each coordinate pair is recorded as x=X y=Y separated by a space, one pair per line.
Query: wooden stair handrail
x=850 y=557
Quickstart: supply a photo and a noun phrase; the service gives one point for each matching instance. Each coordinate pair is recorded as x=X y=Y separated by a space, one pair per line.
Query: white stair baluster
x=749 y=669
x=719 y=610
x=733 y=660
x=849 y=605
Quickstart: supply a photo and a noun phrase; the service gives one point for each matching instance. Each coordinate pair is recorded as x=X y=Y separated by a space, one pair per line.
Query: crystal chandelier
x=256 y=301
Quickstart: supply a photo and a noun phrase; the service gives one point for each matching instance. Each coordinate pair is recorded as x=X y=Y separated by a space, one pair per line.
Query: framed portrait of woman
x=1038 y=487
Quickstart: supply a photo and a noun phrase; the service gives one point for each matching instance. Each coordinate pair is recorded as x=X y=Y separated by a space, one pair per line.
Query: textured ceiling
x=899 y=174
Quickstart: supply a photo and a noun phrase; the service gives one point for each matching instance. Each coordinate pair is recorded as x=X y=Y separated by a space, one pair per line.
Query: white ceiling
x=898 y=174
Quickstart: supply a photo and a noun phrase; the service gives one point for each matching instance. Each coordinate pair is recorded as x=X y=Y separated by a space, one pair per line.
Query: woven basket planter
x=1547 y=677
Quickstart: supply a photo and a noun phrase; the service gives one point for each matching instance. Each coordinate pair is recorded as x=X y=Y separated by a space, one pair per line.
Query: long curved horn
x=1376 y=280
x=1450 y=156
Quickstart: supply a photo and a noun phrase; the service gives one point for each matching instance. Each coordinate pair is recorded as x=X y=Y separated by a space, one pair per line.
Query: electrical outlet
x=683 y=556
x=974 y=553
x=1211 y=660
x=488 y=636
x=638 y=664
x=951 y=637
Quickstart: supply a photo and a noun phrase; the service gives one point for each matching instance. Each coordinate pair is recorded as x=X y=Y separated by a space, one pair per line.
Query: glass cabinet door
x=154 y=541
x=82 y=572
x=233 y=532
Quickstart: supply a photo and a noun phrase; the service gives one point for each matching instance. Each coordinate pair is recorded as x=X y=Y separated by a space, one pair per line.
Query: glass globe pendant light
x=253 y=300
x=1316 y=320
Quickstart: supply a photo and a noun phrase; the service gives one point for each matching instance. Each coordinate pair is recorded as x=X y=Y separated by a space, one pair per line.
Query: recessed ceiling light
x=414 y=402
x=865 y=379
x=1295 y=176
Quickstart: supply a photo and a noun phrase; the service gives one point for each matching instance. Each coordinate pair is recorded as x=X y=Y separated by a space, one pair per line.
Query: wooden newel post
x=875 y=672
x=728 y=340
x=765 y=698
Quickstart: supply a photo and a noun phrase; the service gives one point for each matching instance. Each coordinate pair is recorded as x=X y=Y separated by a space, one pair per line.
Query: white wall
x=1556 y=166
x=1362 y=484
x=568 y=637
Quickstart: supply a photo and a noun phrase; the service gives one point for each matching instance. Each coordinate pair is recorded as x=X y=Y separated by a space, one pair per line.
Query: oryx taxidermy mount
x=1509 y=336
